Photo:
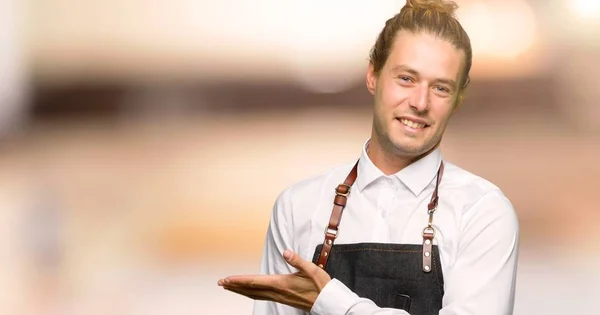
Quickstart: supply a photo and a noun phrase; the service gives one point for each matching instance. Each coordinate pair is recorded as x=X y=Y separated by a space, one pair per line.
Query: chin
x=407 y=148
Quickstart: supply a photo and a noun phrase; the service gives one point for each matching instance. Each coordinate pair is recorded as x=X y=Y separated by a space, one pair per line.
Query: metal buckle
x=343 y=194
x=430 y=212
x=429 y=231
x=434 y=203
x=331 y=231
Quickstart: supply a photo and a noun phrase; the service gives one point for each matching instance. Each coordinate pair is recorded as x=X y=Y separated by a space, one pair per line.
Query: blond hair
x=432 y=16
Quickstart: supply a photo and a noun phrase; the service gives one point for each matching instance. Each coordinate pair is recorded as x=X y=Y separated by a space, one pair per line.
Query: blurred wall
x=148 y=141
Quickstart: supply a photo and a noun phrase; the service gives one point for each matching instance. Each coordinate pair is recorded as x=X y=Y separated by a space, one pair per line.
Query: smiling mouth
x=412 y=124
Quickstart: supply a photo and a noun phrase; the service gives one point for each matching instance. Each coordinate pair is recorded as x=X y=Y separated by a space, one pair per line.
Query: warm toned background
x=143 y=143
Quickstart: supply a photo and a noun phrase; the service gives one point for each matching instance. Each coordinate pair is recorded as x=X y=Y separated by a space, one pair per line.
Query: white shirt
x=476 y=233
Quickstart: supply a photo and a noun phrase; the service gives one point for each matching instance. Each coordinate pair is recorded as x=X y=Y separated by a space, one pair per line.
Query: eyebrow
x=404 y=68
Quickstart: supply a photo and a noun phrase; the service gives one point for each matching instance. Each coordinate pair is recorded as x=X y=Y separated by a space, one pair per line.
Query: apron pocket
x=402 y=301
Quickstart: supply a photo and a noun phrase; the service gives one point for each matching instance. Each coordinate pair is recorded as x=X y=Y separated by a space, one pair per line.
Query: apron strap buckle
x=428 y=235
x=343 y=190
x=330 y=231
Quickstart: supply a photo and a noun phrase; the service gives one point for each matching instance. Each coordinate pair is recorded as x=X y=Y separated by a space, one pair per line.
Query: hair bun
x=441 y=6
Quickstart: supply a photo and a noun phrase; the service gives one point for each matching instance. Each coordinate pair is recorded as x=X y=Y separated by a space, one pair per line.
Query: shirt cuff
x=334 y=299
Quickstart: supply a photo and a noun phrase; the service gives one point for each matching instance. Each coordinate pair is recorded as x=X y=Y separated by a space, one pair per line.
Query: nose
x=419 y=99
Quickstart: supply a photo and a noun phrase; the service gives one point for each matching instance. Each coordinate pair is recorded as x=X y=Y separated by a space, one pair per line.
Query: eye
x=442 y=89
x=405 y=78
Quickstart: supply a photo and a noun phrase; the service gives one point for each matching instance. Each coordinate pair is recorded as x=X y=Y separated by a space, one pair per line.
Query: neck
x=390 y=162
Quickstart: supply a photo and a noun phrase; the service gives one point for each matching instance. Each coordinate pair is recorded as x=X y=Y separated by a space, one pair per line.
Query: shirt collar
x=416 y=176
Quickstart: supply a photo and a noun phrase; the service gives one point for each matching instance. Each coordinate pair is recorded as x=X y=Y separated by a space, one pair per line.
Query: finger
x=255 y=281
x=307 y=268
x=296 y=261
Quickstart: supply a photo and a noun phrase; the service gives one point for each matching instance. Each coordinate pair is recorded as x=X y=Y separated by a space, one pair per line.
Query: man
x=418 y=235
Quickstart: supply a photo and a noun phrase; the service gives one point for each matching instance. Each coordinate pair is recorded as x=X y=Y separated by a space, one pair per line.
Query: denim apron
x=400 y=276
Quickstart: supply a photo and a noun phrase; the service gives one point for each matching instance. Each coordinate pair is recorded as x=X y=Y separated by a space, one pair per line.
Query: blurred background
x=143 y=143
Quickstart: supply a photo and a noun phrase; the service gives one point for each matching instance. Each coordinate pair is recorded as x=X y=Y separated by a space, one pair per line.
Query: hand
x=299 y=290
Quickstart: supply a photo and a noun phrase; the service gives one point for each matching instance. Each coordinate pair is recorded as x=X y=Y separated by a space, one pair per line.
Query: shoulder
x=295 y=205
x=314 y=187
x=457 y=178
x=474 y=195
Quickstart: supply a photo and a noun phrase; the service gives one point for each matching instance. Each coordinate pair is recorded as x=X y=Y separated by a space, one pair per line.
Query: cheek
x=392 y=95
x=441 y=113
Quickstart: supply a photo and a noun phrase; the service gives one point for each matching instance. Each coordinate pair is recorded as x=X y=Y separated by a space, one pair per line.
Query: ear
x=458 y=102
x=371 y=79
x=461 y=95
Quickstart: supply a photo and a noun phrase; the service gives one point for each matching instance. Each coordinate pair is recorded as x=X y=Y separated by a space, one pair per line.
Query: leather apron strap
x=339 y=203
x=429 y=231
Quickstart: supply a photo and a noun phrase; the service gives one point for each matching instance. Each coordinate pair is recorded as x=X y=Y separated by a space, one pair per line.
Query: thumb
x=307 y=269
x=296 y=261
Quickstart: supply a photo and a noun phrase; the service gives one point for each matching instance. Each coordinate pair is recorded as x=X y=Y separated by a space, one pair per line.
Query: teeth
x=412 y=124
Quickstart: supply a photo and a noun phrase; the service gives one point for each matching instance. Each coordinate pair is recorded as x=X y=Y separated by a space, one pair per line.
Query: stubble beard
x=394 y=149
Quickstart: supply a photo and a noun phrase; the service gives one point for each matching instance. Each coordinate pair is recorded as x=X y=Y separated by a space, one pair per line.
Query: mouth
x=412 y=123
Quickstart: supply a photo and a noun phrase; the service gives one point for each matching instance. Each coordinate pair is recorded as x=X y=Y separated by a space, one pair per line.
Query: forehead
x=429 y=55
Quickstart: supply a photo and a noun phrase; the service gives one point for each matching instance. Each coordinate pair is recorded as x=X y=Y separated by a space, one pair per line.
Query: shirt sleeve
x=482 y=279
x=279 y=238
